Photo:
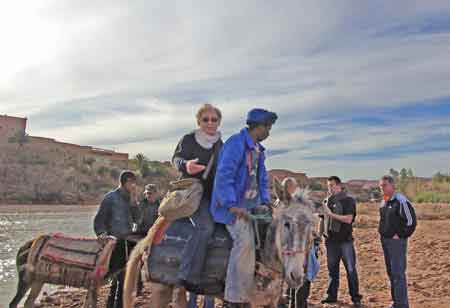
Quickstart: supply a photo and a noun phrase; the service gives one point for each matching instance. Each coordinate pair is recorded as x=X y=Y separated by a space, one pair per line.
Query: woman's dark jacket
x=187 y=149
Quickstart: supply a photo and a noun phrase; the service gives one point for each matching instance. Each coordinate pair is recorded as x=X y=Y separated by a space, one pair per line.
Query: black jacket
x=187 y=149
x=114 y=217
x=147 y=213
x=397 y=218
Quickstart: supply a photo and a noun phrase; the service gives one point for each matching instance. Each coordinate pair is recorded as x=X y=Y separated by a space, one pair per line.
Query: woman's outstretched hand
x=193 y=167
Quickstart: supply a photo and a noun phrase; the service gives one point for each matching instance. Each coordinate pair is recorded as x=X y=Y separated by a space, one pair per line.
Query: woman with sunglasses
x=191 y=158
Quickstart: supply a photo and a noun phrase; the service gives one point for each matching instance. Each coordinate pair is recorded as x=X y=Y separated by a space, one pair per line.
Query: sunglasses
x=212 y=120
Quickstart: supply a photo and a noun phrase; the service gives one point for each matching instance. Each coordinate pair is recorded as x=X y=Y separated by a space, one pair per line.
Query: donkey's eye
x=287 y=225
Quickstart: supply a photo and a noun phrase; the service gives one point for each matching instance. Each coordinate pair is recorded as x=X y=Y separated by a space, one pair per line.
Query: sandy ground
x=428 y=271
x=38 y=208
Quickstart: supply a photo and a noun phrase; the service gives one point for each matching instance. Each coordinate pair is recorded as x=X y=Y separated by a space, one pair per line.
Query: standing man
x=114 y=218
x=241 y=184
x=148 y=209
x=397 y=223
x=340 y=213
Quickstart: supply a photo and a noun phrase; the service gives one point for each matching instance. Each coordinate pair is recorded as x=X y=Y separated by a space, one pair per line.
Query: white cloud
x=164 y=58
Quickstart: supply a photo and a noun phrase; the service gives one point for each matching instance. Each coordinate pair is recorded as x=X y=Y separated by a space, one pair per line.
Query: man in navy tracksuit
x=397 y=223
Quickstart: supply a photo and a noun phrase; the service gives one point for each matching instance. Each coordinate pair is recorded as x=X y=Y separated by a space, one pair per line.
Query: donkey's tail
x=135 y=262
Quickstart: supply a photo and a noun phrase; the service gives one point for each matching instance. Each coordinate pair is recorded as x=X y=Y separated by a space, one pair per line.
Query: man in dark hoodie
x=114 y=218
x=340 y=213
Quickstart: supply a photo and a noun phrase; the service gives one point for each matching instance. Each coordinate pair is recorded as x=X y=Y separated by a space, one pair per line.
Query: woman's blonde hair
x=208 y=107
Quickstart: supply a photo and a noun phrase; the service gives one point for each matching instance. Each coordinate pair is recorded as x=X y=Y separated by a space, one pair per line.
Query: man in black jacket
x=114 y=218
x=340 y=213
x=397 y=223
x=148 y=209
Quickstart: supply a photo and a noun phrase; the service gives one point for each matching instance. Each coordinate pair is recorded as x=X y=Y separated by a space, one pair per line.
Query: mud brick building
x=40 y=169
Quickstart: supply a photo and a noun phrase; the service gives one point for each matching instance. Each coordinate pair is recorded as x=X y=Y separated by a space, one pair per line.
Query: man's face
x=151 y=196
x=333 y=187
x=130 y=186
x=387 y=189
x=264 y=131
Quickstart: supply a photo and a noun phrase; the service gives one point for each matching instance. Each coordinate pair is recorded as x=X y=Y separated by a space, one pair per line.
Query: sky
x=359 y=86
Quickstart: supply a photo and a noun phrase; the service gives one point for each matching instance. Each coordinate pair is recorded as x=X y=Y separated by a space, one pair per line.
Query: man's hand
x=396 y=237
x=102 y=237
x=240 y=213
x=193 y=167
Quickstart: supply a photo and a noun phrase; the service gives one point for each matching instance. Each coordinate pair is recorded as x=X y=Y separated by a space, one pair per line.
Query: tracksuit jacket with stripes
x=397 y=217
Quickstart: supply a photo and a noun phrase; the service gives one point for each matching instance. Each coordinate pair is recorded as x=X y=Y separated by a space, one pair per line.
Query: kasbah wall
x=43 y=170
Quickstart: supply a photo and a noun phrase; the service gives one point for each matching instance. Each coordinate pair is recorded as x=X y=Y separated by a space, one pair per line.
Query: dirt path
x=428 y=272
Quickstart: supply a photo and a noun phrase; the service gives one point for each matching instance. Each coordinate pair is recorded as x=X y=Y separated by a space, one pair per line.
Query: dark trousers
x=395 y=259
x=194 y=254
x=345 y=251
x=117 y=265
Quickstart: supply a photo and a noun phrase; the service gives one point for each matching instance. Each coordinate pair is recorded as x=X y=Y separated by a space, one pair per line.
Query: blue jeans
x=395 y=259
x=345 y=251
x=209 y=301
x=194 y=254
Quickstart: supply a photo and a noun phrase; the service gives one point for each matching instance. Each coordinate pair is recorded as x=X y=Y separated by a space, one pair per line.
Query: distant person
x=148 y=209
x=114 y=218
x=340 y=212
x=145 y=215
x=397 y=224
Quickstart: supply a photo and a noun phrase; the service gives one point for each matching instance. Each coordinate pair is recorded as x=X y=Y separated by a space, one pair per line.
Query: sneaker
x=329 y=300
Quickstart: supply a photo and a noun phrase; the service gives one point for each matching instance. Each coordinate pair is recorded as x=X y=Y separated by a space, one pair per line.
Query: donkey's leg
x=91 y=298
x=161 y=295
x=36 y=287
x=22 y=288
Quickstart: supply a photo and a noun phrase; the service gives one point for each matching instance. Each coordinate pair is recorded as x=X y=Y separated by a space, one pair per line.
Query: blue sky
x=359 y=86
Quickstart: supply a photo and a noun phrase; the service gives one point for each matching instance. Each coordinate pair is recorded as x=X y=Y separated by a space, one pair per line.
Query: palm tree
x=142 y=164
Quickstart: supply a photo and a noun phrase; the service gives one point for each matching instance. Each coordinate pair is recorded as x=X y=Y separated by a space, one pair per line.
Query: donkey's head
x=292 y=232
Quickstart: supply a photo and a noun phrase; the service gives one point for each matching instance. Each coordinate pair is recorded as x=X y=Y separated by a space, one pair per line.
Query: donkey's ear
x=278 y=188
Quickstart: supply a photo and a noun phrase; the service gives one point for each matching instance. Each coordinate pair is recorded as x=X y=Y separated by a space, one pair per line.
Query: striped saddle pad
x=61 y=255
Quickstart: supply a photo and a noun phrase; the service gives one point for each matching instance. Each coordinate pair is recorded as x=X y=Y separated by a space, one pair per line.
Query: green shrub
x=102 y=170
x=433 y=197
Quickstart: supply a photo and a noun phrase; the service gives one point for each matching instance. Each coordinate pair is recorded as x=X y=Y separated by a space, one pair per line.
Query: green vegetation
x=438 y=191
x=89 y=161
x=20 y=137
x=433 y=197
x=102 y=170
x=30 y=159
x=316 y=186
x=145 y=167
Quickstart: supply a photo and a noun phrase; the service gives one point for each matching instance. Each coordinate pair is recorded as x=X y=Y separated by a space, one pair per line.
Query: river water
x=19 y=224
